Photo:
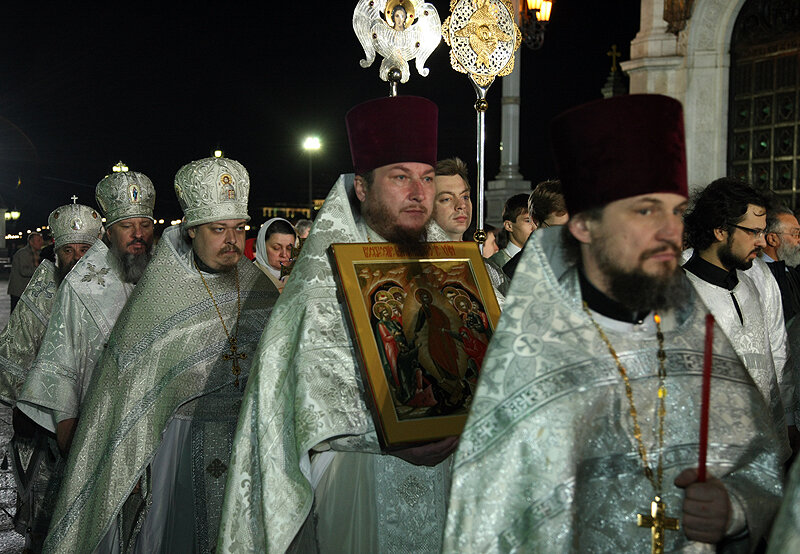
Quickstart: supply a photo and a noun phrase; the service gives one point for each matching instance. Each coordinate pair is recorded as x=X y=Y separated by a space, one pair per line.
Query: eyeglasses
x=755 y=233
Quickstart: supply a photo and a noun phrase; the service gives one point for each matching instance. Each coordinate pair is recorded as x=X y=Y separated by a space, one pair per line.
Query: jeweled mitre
x=74 y=223
x=124 y=195
x=212 y=189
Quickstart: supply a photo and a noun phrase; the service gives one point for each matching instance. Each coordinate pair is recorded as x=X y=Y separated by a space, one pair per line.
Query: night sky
x=81 y=89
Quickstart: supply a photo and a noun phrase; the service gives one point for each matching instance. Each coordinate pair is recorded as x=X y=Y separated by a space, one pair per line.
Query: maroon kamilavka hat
x=391 y=130
x=625 y=146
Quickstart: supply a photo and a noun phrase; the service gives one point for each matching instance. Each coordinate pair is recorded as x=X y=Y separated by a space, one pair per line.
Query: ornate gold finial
x=483 y=37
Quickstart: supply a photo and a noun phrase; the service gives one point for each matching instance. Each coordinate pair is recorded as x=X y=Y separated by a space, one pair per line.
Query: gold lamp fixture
x=534 y=17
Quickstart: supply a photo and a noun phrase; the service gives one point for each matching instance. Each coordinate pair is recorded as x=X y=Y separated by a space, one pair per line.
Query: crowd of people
x=199 y=392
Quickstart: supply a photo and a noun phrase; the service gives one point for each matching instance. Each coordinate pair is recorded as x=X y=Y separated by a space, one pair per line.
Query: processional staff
x=483 y=38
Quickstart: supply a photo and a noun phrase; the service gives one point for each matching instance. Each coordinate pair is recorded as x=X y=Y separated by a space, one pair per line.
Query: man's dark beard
x=639 y=291
x=409 y=243
x=225 y=268
x=61 y=272
x=731 y=262
x=413 y=245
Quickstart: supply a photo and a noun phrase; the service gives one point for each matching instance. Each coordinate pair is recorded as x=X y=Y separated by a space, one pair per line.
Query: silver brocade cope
x=548 y=461
x=309 y=381
x=164 y=362
x=22 y=337
x=419 y=37
x=87 y=304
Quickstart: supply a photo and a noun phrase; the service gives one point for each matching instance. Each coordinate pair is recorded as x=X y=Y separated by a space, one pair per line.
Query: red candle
x=701 y=463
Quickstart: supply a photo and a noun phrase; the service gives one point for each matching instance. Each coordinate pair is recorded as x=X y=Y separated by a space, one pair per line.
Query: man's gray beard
x=639 y=291
x=789 y=254
x=409 y=243
x=133 y=265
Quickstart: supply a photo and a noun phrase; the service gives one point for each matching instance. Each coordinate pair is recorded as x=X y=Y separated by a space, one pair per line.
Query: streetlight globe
x=312 y=143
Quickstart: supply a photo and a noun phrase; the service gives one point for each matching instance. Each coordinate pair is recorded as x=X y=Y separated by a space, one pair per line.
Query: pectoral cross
x=658 y=522
x=235 y=357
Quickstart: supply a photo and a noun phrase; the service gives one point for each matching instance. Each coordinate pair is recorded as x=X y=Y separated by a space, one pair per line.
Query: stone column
x=508 y=181
x=655 y=60
x=694 y=69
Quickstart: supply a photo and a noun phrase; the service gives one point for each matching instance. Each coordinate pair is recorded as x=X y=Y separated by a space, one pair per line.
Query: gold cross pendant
x=234 y=357
x=658 y=522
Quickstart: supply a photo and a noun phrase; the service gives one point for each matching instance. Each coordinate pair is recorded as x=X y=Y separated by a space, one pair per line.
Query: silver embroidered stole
x=22 y=337
x=86 y=306
x=548 y=461
x=306 y=390
x=164 y=360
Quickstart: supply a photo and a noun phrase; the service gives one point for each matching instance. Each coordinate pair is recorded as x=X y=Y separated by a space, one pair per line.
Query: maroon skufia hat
x=391 y=130
x=625 y=146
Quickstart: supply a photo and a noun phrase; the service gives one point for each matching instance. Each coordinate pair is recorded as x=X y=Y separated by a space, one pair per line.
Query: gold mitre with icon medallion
x=124 y=195
x=75 y=224
x=212 y=189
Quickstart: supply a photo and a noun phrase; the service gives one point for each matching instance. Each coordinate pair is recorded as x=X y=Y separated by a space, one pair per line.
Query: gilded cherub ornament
x=398 y=30
x=483 y=38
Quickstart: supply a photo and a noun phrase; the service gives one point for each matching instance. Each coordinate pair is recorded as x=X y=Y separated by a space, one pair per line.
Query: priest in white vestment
x=88 y=303
x=75 y=228
x=307 y=471
x=584 y=431
x=33 y=452
x=725 y=227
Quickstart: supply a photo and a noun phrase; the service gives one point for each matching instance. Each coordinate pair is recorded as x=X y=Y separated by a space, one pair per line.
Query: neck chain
x=657 y=521
x=234 y=356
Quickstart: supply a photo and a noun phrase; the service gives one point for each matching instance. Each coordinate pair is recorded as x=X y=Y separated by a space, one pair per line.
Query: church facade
x=735 y=66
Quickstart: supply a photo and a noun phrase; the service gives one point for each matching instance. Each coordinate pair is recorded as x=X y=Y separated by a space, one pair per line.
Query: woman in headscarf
x=274 y=244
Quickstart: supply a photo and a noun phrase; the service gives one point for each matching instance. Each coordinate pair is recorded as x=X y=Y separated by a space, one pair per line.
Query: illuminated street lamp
x=12 y=215
x=120 y=167
x=311 y=145
x=534 y=17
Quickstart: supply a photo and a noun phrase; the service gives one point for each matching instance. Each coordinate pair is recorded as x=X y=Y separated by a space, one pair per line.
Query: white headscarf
x=261 y=246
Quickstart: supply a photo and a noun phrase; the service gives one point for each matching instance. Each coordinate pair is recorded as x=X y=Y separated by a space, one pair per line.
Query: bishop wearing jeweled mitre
x=149 y=460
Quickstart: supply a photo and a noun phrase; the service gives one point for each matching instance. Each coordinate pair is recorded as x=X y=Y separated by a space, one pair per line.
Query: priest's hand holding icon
x=706 y=507
x=430 y=454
